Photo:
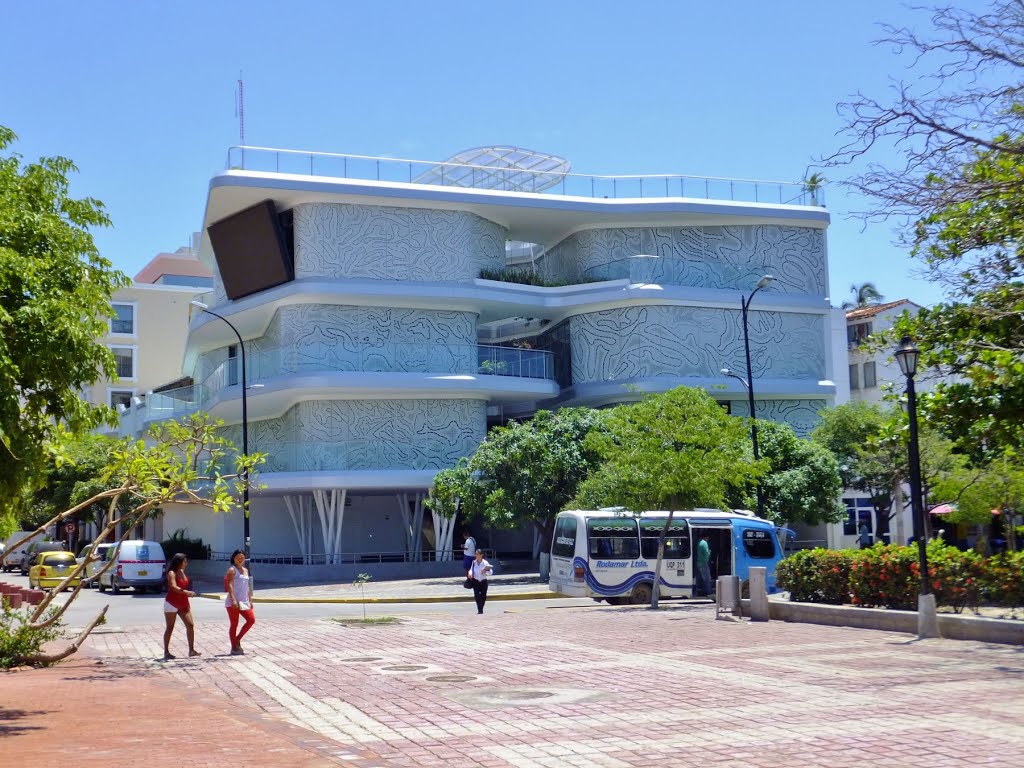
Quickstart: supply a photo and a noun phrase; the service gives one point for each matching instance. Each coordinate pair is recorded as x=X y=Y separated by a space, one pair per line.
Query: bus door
x=677 y=572
x=719 y=535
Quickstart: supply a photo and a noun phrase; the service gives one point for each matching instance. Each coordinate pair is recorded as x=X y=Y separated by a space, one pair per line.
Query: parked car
x=138 y=564
x=13 y=560
x=34 y=549
x=89 y=575
x=49 y=569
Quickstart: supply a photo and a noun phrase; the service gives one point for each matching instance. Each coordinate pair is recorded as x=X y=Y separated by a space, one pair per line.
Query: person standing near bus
x=478 y=571
x=703 y=566
x=468 y=549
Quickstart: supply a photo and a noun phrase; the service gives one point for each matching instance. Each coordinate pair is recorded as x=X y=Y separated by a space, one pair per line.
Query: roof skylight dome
x=512 y=169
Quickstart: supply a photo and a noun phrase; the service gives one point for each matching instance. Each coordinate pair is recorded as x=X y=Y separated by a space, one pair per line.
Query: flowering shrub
x=889 y=576
x=885 y=576
x=816 y=576
x=1002 y=582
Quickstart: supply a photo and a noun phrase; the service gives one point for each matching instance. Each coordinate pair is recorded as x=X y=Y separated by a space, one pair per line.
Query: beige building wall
x=153 y=338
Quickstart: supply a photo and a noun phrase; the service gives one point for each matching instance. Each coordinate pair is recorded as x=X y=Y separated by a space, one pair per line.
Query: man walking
x=703 y=566
x=468 y=549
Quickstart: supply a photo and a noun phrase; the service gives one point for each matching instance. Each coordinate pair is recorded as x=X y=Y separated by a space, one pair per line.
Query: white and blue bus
x=611 y=554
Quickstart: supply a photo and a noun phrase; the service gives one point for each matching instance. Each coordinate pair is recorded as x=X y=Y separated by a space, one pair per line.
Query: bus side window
x=677 y=540
x=613 y=539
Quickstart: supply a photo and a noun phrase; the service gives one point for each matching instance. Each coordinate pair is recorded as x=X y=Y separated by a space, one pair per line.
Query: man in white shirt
x=468 y=550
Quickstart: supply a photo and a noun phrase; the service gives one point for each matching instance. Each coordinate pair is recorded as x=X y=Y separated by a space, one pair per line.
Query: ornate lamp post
x=907 y=355
x=749 y=383
x=245 y=428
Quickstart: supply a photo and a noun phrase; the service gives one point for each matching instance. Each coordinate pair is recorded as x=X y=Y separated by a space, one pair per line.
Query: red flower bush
x=889 y=577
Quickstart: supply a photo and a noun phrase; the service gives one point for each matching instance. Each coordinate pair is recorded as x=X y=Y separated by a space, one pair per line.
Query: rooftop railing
x=401 y=170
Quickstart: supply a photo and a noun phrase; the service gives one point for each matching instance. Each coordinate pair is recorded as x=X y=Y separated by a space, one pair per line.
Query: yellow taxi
x=49 y=569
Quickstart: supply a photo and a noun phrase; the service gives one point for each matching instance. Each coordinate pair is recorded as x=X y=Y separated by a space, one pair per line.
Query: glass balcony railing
x=466 y=359
x=391 y=169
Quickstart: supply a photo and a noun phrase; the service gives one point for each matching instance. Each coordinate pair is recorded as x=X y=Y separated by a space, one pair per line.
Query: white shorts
x=168 y=608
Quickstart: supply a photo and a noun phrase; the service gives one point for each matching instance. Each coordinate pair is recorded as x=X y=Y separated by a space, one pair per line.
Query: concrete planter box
x=951 y=626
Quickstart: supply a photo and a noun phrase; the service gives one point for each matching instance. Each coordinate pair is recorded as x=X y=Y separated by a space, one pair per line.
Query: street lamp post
x=245 y=429
x=907 y=355
x=749 y=383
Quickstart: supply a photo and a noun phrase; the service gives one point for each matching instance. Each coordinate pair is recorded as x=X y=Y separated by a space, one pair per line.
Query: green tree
x=979 y=491
x=864 y=295
x=55 y=292
x=181 y=462
x=525 y=473
x=956 y=131
x=802 y=483
x=872 y=459
x=677 y=450
x=70 y=476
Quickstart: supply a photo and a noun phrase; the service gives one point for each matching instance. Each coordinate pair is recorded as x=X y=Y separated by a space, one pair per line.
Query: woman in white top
x=478 y=572
x=238 y=585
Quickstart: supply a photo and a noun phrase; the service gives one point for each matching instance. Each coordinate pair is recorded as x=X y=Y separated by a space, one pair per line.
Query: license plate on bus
x=143 y=573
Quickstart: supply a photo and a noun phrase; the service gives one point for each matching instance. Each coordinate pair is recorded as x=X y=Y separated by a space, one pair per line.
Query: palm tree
x=864 y=295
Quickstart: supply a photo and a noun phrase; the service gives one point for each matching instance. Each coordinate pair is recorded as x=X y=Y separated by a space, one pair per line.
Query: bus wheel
x=641 y=594
x=745 y=589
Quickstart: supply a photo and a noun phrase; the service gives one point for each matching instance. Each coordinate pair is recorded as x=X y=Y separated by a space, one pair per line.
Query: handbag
x=468 y=583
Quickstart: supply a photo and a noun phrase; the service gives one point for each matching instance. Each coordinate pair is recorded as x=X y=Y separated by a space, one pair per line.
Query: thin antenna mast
x=241 y=115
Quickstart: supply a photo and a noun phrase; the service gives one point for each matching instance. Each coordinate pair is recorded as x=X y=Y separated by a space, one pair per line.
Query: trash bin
x=728 y=596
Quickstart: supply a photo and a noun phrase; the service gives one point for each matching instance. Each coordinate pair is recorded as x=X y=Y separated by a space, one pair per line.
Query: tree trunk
x=52 y=658
x=656 y=587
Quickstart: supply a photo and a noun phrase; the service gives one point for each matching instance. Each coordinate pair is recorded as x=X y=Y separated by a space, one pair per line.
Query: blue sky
x=141 y=95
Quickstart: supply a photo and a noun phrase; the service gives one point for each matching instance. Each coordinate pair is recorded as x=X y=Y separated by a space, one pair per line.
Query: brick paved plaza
x=617 y=687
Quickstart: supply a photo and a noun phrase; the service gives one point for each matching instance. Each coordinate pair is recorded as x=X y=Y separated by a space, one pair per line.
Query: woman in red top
x=177 y=604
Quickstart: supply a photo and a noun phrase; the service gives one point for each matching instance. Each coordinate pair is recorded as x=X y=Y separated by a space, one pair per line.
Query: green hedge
x=888 y=576
x=193 y=549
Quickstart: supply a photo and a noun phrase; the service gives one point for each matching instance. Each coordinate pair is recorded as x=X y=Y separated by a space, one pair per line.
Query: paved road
x=129 y=610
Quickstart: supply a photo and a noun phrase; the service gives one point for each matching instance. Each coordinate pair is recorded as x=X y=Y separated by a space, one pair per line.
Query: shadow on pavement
x=9 y=718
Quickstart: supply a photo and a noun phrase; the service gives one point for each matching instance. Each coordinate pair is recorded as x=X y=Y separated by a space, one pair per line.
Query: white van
x=12 y=561
x=138 y=564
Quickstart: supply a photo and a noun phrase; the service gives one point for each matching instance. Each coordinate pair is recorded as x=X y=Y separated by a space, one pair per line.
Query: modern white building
x=387 y=324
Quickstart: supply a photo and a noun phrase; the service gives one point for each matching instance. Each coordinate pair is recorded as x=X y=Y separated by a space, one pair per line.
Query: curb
x=385 y=600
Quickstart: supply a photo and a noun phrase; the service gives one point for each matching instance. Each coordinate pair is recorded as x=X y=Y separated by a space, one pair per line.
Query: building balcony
x=465 y=359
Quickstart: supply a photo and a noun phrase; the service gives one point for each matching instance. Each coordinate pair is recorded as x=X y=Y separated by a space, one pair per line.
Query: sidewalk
x=520 y=586
x=91 y=713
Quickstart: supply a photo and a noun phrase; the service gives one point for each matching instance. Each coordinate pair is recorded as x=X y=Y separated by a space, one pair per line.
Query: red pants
x=233 y=614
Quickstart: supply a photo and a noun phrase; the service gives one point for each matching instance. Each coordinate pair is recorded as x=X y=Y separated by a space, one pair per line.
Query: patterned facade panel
x=802 y=415
x=704 y=257
x=333 y=240
x=636 y=342
x=320 y=337
x=369 y=434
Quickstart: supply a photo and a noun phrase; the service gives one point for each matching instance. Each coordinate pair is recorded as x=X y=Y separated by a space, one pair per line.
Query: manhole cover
x=451 y=678
x=521 y=695
x=404 y=668
x=363 y=658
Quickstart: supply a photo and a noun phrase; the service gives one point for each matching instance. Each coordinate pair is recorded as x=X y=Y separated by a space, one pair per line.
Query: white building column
x=299 y=508
x=330 y=506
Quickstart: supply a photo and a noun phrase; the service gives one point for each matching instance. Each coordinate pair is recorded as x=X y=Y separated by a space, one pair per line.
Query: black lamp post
x=245 y=429
x=907 y=355
x=749 y=383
